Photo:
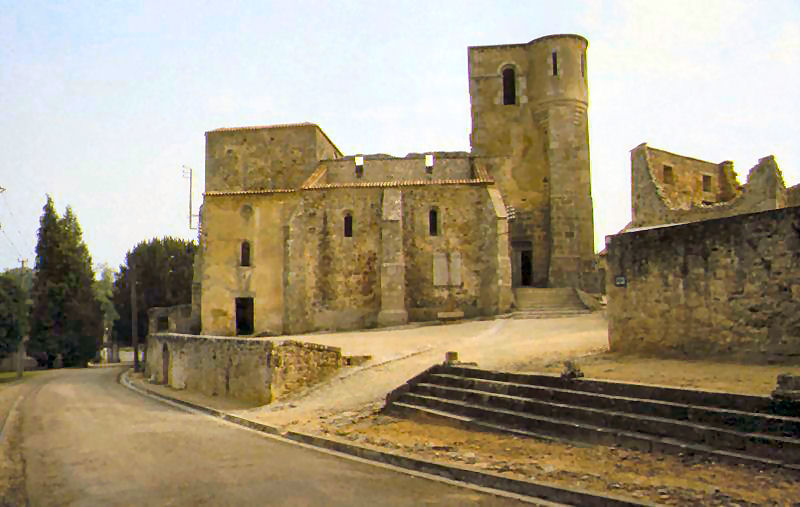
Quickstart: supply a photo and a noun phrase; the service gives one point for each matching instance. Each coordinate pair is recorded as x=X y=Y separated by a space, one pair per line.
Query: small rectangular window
x=162 y=324
x=706 y=183
x=555 y=63
x=667 y=175
x=359 y=166
x=429 y=163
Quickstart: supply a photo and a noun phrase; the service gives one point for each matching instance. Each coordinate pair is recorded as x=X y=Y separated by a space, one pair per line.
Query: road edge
x=530 y=491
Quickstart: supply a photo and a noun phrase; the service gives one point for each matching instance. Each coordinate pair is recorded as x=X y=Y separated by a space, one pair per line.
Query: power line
x=11 y=242
x=2 y=229
x=13 y=217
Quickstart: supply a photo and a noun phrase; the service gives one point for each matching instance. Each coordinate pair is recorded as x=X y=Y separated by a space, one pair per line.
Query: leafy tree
x=13 y=314
x=163 y=272
x=104 y=294
x=66 y=317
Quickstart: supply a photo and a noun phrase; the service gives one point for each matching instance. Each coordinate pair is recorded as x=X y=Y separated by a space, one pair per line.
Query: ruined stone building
x=667 y=188
x=708 y=266
x=298 y=237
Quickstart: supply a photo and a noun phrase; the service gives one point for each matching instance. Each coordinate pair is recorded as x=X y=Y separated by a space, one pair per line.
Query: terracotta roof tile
x=252 y=192
x=260 y=127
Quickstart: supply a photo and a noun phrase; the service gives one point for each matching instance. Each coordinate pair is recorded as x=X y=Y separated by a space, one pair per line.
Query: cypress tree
x=66 y=317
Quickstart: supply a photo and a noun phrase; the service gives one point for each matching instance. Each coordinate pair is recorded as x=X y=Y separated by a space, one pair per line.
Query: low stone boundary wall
x=729 y=286
x=258 y=370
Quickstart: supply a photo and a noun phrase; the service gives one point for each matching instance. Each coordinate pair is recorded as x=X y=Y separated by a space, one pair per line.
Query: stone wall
x=386 y=168
x=170 y=319
x=793 y=196
x=260 y=220
x=655 y=202
x=255 y=370
x=684 y=186
x=728 y=286
x=456 y=270
x=332 y=280
x=264 y=158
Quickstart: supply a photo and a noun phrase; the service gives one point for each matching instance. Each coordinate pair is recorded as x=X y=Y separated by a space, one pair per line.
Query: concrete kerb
x=529 y=491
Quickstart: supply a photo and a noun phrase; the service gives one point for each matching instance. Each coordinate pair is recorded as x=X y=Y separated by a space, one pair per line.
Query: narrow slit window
x=433 y=222
x=555 y=63
x=348 y=226
x=509 y=87
x=245 y=259
x=583 y=65
x=359 y=166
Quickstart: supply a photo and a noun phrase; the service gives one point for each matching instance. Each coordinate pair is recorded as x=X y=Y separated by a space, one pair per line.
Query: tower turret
x=529 y=103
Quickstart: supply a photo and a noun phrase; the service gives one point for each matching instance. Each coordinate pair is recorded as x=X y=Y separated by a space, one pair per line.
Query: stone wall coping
x=410 y=156
x=262 y=340
x=698 y=222
x=278 y=126
x=534 y=41
x=650 y=148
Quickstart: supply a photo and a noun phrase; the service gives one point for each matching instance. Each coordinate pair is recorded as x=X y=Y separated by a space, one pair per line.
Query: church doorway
x=244 y=316
x=521 y=264
x=526 y=268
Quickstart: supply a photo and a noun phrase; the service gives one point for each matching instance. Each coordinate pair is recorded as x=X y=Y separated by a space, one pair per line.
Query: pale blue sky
x=101 y=103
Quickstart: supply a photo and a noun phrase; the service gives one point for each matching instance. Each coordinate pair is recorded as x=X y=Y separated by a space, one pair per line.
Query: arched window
x=245 y=253
x=433 y=222
x=348 y=225
x=509 y=86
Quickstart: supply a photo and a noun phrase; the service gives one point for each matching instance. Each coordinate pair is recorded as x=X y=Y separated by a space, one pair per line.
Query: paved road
x=82 y=439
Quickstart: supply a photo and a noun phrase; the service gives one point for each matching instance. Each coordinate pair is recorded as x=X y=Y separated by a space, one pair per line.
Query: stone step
x=768 y=446
x=731 y=401
x=574 y=431
x=747 y=422
x=556 y=430
x=555 y=313
x=547 y=298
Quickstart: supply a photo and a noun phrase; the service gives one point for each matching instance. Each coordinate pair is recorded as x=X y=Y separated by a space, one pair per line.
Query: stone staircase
x=532 y=303
x=725 y=427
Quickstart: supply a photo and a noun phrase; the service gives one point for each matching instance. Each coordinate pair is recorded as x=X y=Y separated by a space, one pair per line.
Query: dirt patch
x=664 y=479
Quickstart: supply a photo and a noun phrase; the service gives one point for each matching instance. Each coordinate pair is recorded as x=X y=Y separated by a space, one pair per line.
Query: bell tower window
x=509 y=86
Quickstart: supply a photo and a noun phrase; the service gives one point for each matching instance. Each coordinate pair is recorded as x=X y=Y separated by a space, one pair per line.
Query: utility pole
x=187 y=173
x=21 y=353
x=134 y=321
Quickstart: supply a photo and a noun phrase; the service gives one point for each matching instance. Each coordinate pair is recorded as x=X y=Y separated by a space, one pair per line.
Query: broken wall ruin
x=667 y=188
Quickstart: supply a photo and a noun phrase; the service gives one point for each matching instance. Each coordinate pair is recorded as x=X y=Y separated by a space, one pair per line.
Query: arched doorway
x=165 y=364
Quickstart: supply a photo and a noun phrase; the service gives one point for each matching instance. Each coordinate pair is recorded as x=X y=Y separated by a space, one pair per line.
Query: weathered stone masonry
x=256 y=370
x=347 y=242
x=726 y=286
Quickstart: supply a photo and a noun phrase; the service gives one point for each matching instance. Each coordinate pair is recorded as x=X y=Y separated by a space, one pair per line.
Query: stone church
x=298 y=237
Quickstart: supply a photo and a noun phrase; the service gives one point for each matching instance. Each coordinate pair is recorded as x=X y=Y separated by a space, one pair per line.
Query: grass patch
x=11 y=376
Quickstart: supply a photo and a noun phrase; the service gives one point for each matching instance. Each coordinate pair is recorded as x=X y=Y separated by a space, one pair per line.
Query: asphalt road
x=79 y=438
